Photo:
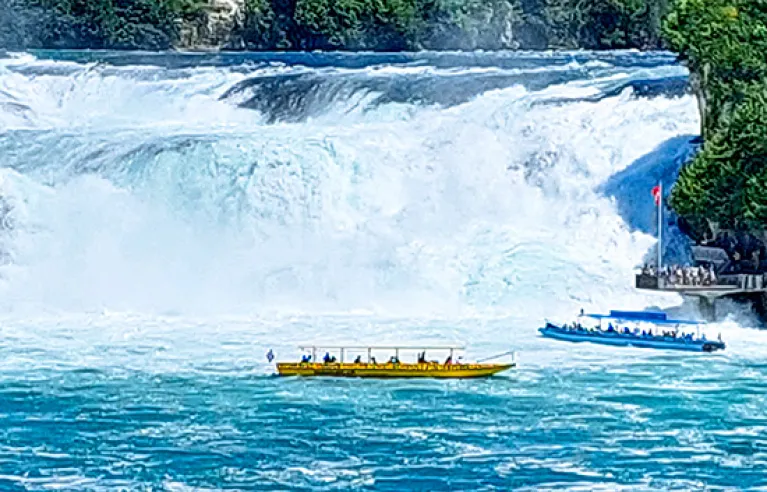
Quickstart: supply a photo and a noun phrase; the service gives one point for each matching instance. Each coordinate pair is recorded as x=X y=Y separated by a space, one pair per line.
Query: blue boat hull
x=623 y=340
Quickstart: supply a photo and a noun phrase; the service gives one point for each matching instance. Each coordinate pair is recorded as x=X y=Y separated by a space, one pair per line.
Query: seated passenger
x=305 y=359
x=326 y=359
x=358 y=360
x=394 y=360
x=449 y=360
x=373 y=360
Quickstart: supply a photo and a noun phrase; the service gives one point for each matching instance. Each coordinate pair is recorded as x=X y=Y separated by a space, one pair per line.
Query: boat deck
x=390 y=370
x=630 y=340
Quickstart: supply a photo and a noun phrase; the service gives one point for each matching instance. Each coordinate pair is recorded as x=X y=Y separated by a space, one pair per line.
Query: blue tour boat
x=673 y=337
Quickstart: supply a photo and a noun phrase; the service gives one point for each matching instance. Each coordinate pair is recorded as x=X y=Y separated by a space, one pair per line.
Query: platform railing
x=742 y=281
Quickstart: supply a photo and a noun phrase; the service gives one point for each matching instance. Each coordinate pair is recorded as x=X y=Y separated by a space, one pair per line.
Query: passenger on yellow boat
x=394 y=360
x=449 y=360
x=329 y=359
x=422 y=357
x=306 y=359
x=358 y=360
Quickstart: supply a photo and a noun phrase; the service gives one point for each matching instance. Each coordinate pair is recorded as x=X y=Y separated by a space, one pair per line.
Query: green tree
x=341 y=24
x=599 y=24
x=468 y=24
x=355 y=24
x=133 y=24
x=723 y=42
x=264 y=28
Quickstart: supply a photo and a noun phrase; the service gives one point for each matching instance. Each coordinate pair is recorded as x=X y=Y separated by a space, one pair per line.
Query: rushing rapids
x=409 y=185
x=169 y=218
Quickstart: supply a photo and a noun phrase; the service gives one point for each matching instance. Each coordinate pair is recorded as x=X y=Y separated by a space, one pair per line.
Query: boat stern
x=713 y=346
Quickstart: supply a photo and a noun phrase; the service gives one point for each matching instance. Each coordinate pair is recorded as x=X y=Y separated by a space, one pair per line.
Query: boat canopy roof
x=380 y=347
x=655 y=317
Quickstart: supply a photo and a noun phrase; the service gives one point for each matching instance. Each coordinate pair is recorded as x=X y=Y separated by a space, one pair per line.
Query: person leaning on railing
x=679 y=275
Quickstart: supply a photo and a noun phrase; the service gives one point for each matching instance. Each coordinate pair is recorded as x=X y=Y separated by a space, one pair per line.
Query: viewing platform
x=742 y=286
x=722 y=267
x=726 y=285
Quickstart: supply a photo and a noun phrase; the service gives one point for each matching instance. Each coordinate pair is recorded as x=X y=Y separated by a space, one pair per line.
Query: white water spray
x=134 y=191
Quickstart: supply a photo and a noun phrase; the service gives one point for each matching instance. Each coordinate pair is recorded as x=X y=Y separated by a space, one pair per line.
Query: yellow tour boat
x=393 y=368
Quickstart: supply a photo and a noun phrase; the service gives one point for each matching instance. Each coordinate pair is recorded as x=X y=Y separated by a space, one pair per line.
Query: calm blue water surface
x=659 y=424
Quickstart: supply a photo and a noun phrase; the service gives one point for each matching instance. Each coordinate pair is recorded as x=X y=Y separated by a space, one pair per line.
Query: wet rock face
x=6 y=230
x=6 y=220
x=215 y=27
x=21 y=25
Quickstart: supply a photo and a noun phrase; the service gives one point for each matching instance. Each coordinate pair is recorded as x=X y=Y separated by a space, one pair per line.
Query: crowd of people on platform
x=682 y=275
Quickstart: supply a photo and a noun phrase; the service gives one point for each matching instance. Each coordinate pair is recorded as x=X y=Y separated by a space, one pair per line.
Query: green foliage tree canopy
x=724 y=43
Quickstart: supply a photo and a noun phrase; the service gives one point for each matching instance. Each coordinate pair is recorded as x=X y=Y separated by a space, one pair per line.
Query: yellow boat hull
x=454 y=371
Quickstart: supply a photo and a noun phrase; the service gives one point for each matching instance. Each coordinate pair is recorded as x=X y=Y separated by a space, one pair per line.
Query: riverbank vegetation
x=96 y=24
x=336 y=24
x=724 y=42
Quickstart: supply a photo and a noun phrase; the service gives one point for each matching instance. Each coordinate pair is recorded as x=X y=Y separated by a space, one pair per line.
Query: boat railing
x=510 y=353
x=345 y=350
x=752 y=282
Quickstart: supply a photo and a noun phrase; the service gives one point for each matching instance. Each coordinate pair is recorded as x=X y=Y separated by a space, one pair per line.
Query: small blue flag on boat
x=270 y=355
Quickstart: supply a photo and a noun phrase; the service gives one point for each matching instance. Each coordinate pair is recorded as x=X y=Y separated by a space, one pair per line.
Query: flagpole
x=660 y=226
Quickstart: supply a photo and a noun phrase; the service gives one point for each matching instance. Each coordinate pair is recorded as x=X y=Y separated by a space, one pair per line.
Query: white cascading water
x=148 y=195
x=150 y=208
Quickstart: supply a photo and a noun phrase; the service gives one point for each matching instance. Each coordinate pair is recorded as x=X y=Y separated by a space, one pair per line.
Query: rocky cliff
x=218 y=24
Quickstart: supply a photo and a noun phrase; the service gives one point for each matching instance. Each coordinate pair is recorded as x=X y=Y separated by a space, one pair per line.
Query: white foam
x=193 y=205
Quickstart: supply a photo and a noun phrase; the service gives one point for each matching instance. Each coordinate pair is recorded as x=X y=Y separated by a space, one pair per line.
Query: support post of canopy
x=342 y=355
x=369 y=354
x=314 y=355
x=660 y=227
x=396 y=354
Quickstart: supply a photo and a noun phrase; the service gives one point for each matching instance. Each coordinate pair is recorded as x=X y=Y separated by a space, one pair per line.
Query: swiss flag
x=656 y=194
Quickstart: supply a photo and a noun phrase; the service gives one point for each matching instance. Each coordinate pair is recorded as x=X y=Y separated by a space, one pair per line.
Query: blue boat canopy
x=655 y=317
